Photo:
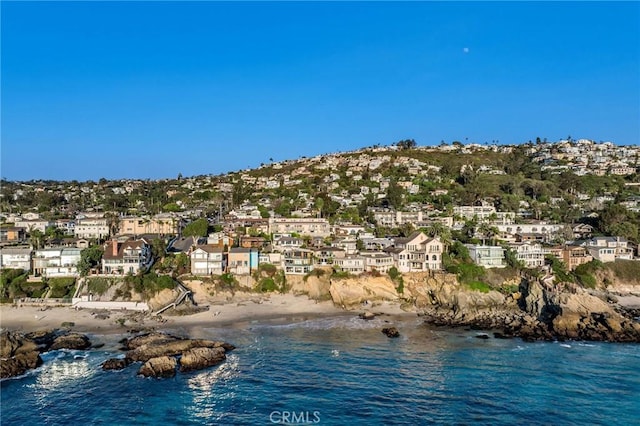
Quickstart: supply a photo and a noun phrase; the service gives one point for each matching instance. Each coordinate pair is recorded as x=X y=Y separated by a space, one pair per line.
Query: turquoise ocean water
x=342 y=371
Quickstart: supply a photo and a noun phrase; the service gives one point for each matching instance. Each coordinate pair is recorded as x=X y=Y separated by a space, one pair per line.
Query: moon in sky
x=465 y=50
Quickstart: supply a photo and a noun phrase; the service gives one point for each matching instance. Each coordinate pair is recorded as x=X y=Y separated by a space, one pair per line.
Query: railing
x=43 y=301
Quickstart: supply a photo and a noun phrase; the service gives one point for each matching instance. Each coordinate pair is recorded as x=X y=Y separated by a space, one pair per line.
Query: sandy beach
x=241 y=313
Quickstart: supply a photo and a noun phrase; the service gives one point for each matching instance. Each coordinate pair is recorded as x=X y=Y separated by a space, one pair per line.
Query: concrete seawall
x=131 y=306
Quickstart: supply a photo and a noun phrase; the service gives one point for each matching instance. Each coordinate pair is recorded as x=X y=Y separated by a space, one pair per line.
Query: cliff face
x=352 y=292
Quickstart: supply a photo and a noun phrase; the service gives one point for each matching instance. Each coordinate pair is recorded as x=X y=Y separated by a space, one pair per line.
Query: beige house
x=242 y=261
x=304 y=226
x=137 y=225
x=572 y=256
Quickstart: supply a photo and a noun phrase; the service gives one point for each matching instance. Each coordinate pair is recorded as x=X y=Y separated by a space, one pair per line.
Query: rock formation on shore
x=21 y=352
x=536 y=312
x=162 y=354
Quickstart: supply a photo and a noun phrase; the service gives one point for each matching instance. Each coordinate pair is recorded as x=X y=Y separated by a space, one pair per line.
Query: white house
x=417 y=253
x=377 y=261
x=531 y=254
x=15 y=258
x=610 y=249
x=91 y=228
x=56 y=262
x=207 y=260
x=351 y=264
x=487 y=256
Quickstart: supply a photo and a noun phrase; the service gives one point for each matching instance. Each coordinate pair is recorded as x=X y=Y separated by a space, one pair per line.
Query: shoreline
x=277 y=309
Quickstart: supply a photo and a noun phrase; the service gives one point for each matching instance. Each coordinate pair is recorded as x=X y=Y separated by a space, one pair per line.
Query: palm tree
x=35 y=236
x=113 y=221
x=437 y=229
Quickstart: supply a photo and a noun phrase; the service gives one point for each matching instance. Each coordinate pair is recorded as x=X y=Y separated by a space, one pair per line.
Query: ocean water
x=342 y=371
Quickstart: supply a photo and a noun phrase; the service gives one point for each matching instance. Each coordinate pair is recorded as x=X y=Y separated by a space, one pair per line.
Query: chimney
x=114 y=243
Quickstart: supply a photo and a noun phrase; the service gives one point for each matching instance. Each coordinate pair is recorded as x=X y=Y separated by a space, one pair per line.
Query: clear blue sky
x=150 y=90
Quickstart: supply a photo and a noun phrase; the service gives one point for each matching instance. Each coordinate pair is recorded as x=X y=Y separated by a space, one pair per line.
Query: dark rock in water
x=161 y=367
x=12 y=344
x=482 y=336
x=172 y=348
x=17 y=354
x=499 y=335
x=71 y=341
x=367 y=315
x=45 y=338
x=19 y=364
x=199 y=358
x=391 y=332
x=115 y=364
x=149 y=339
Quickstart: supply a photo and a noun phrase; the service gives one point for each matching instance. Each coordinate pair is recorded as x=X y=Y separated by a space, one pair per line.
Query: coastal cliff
x=535 y=312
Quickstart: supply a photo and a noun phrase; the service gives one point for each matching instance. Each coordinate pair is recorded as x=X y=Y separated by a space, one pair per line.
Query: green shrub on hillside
x=627 y=270
x=61 y=287
x=479 y=286
x=98 y=285
x=267 y=285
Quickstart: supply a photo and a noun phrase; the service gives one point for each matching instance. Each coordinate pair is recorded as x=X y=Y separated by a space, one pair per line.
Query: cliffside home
x=531 y=254
x=571 y=256
x=487 y=256
x=610 y=249
x=207 y=260
x=352 y=264
x=297 y=261
x=126 y=257
x=242 y=261
x=56 y=262
x=417 y=253
x=15 y=258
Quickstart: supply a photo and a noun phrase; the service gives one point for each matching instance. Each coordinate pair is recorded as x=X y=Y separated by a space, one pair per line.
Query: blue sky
x=150 y=90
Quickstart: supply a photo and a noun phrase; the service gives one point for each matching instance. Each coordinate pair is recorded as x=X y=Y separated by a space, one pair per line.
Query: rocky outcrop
x=391 y=332
x=116 y=364
x=74 y=341
x=199 y=358
x=172 y=348
x=21 y=352
x=352 y=292
x=537 y=312
x=153 y=349
x=367 y=315
x=19 y=364
x=160 y=367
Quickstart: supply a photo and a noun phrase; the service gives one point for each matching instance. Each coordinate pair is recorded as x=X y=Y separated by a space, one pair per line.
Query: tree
x=406 y=144
x=35 y=235
x=158 y=247
x=197 y=228
x=319 y=203
x=395 y=194
x=89 y=258
x=437 y=229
